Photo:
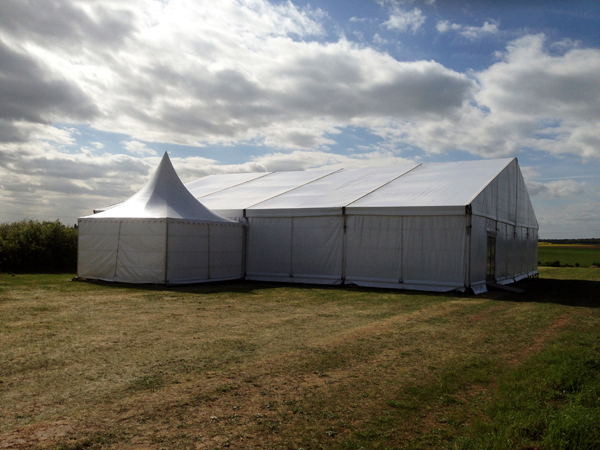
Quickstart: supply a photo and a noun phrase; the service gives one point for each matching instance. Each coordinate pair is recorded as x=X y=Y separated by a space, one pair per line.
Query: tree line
x=31 y=246
x=591 y=241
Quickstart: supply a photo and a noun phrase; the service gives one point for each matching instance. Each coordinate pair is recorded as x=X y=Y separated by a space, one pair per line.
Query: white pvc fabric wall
x=503 y=211
x=204 y=252
x=297 y=249
x=406 y=252
x=516 y=251
x=403 y=252
x=159 y=251
x=141 y=251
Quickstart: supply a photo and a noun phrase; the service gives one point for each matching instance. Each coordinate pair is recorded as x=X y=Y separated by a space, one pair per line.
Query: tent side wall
x=503 y=214
x=295 y=249
x=187 y=259
x=142 y=251
x=406 y=252
x=393 y=251
x=98 y=241
x=124 y=250
x=199 y=252
x=226 y=252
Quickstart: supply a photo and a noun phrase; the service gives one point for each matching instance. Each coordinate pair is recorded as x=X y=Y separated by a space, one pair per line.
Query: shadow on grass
x=582 y=293
x=250 y=287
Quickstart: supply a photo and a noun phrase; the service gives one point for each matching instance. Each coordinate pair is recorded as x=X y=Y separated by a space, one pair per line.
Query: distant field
x=584 y=255
x=244 y=365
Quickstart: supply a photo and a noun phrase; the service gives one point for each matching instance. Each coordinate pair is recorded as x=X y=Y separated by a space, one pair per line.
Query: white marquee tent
x=160 y=235
x=423 y=226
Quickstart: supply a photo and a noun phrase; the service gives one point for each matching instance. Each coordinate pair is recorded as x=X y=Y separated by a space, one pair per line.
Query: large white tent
x=422 y=226
x=160 y=235
x=418 y=226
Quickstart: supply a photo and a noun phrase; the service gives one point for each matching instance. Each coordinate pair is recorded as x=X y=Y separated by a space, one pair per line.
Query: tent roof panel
x=435 y=185
x=248 y=194
x=334 y=191
x=214 y=183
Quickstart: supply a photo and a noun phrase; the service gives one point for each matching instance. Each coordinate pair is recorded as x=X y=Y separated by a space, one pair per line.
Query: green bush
x=552 y=263
x=37 y=247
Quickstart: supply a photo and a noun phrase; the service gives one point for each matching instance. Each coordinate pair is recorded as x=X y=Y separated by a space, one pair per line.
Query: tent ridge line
x=235 y=185
x=384 y=184
x=290 y=190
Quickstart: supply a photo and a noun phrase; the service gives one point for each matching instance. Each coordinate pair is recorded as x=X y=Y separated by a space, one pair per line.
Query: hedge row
x=31 y=246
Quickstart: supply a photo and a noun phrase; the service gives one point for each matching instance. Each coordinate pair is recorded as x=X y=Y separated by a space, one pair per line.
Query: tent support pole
x=208 y=225
x=166 y=250
x=401 y=274
x=78 y=244
x=244 y=246
x=117 y=255
x=344 y=243
x=292 y=248
x=469 y=214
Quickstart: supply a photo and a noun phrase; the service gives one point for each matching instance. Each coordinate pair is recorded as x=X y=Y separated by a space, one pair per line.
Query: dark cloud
x=66 y=23
x=30 y=93
x=79 y=167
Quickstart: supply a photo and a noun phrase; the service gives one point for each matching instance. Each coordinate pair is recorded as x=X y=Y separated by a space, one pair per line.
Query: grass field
x=584 y=255
x=256 y=366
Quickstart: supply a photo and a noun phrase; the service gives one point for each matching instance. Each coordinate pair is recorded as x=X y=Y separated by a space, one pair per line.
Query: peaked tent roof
x=164 y=196
x=212 y=184
x=331 y=193
x=436 y=185
x=430 y=188
x=233 y=200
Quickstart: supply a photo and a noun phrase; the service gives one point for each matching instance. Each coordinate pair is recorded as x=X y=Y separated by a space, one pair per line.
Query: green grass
x=269 y=366
x=552 y=401
x=583 y=255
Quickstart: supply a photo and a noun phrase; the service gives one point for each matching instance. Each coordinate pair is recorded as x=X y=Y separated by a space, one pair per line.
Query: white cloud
x=137 y=148
x=443 y=26
x=378 y=40
x=555 y=189
x=403 y=20
x=222 y=73
x=39 y=180
x=469 y=32
x=528 y=100
x=252 y=72
x=303 y=160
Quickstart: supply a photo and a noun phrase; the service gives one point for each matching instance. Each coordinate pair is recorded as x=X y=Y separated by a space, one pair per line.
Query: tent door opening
x=490 y=275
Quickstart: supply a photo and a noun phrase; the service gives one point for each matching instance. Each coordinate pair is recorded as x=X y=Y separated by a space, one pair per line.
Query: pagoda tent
x=161 y=235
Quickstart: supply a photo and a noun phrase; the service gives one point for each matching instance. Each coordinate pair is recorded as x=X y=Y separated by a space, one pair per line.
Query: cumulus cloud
x=222 y=74
x=378 y=40
x=195 y=74
x=39 y=180
x=472 y=33
x=529 y=99
x=402 y=20
x=138 y=148
x=33 y=93
x=555 y=189
x=303 y=160
x=252 y=72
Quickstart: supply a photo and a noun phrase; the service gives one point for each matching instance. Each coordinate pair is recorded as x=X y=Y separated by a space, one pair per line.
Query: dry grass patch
x=251 y=365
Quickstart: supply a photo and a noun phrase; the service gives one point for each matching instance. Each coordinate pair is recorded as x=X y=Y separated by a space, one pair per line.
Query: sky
x=92 y=93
